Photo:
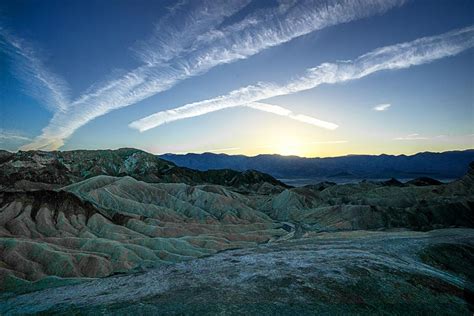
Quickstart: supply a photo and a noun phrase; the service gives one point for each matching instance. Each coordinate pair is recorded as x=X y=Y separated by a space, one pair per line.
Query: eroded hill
x=39 y=170
x=70 y=216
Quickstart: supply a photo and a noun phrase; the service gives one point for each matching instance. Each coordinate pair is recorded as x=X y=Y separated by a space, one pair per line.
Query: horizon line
x=249 y=156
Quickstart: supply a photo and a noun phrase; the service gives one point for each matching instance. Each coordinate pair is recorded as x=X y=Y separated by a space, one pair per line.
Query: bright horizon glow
x=313 y=149
x=288 y=146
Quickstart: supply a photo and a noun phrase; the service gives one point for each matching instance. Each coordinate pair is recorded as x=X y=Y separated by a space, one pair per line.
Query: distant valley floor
x=299 y=182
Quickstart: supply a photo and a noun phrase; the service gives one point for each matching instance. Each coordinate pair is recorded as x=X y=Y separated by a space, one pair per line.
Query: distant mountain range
x=299 y=170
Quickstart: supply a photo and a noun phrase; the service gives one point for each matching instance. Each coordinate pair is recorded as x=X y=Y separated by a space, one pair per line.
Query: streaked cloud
x=399 y=56
x=469 y=138
x=190 y=43
x=414 y=136
x=6 y=135
x=219 y=150
x=278 y=110
x=199 y=151
x=232 y=149
x=316 y=142
x=330 y=142
x=382 y=107
x=48 y=88
x=12 y=139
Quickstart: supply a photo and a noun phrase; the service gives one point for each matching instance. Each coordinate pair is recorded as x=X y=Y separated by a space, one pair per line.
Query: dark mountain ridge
x=441 y=166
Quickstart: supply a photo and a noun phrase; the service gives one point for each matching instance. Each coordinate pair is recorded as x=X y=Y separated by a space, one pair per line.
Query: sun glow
x=289 y=147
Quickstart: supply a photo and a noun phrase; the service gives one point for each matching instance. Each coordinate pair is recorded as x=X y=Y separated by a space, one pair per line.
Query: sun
x=289 y=147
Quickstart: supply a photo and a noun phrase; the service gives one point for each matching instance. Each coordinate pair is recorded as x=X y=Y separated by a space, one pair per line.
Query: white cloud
x=323 y=142
x=221 y=149
x=216 y=150
x=182 y=49
x=11 y=139
x=330 y=142
x=316 y=142
x=440 y=138
x=41 y=84
x=399 y=56
x=382 y=107
x=285 y=112
x=414 y=136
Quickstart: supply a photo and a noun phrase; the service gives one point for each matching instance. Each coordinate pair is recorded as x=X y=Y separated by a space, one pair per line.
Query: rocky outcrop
x=49 y=170
x=424 y=181
x=348 y=273
x=106 y=225
x=377 y=205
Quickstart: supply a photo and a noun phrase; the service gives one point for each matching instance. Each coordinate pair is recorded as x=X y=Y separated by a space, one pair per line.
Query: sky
x=309 y=78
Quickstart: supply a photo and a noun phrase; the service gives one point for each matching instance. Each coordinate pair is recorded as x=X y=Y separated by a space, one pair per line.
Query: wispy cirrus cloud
x=469 y=138
x=414 y=136
x=232 y=149
x=381 y=107
x=189 y=44
x=220 y=150
x=330 y=142
x=48 y=88
x=14 y=136
x=11 y=139
x=298 y=144
x=399 y=56
x=278 y=110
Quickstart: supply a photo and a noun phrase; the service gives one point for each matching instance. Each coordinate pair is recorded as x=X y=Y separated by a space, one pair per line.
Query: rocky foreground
x=331 y=273
x=73 y=217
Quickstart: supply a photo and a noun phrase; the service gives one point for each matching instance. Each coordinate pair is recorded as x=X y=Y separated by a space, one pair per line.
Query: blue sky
x=312 y=78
